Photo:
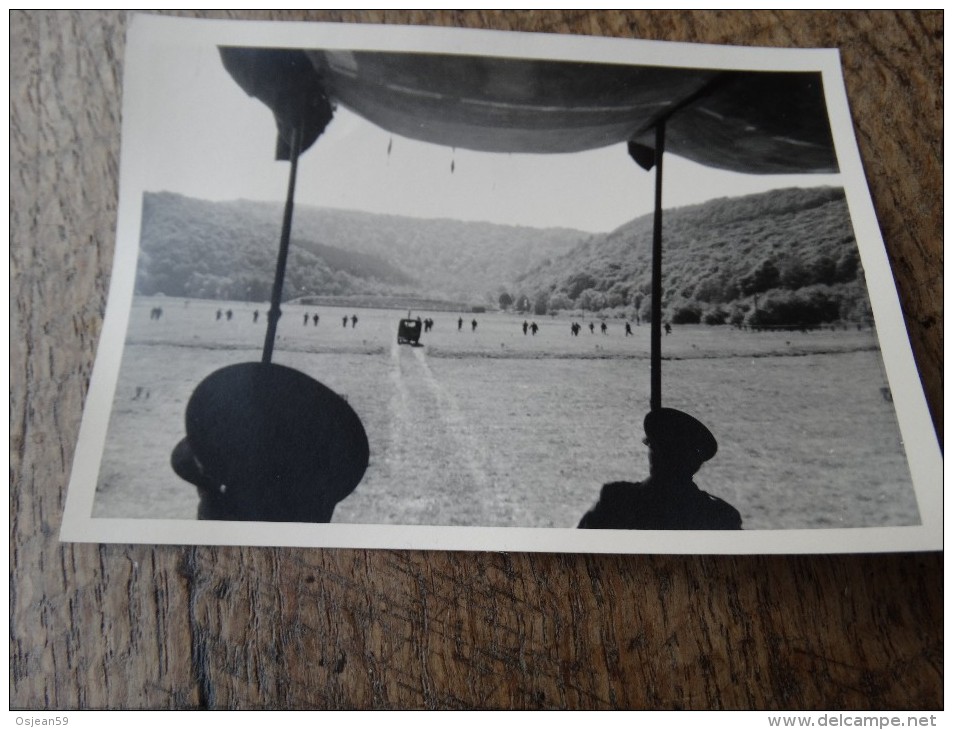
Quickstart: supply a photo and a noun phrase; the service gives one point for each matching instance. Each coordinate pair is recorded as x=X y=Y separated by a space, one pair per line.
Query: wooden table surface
x=118 y=626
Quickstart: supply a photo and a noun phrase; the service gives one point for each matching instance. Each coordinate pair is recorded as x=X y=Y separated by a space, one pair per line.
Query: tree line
x=227 y=250
x=781 y=258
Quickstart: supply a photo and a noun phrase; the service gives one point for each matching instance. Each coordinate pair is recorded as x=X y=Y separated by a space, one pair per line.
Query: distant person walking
x=592 y=328
x=534 y=328
x=305 y=319
x=605 y=328
x=315 y=318
x=344 y=320
x=668 y=328
x=460 y=324
x=473 y=325
x=254 y=316
x=353 y=321
x=228 y=315
x=525 y=326
x=218 y=315
x=628 y=329
x=669 y=499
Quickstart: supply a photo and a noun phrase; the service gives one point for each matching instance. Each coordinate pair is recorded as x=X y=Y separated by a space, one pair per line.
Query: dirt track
x=497 y=428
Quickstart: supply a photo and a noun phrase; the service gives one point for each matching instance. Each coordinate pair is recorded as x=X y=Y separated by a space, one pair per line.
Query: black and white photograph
x=451 y=289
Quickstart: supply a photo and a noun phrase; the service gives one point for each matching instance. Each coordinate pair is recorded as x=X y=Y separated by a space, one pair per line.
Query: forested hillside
x=446 y=257
x=785 y=257
x=196 y=248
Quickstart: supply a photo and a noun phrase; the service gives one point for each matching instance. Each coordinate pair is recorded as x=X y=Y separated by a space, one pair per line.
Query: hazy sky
x=209 y=140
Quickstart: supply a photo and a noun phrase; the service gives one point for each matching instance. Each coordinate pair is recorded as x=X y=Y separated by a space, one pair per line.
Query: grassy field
x=496 y=428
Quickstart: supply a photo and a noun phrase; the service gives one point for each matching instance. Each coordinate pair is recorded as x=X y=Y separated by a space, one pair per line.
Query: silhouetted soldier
x=668 y=328
x=254 y=316
x=315 y=318
x=218 y=315
x=267 y=443
x=525 y=326
x=668 y=499
x=305 y=319
x=228 y=315
x=604 y=328
x=353 y=321
x=344 y=320
x=534 y=328
x=460 y=324
x=628 y=329
x=592 y=328
x=473 y=325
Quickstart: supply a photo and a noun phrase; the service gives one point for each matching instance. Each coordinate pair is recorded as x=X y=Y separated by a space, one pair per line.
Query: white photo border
x=919 y=439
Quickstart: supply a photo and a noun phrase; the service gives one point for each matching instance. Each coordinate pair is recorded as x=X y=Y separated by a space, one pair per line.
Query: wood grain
x=170 y=627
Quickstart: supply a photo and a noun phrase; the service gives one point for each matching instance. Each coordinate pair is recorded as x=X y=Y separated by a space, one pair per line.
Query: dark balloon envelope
x=746 y=121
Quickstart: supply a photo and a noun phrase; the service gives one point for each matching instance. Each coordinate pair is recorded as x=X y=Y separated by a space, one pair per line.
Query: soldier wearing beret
x=668 y=500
